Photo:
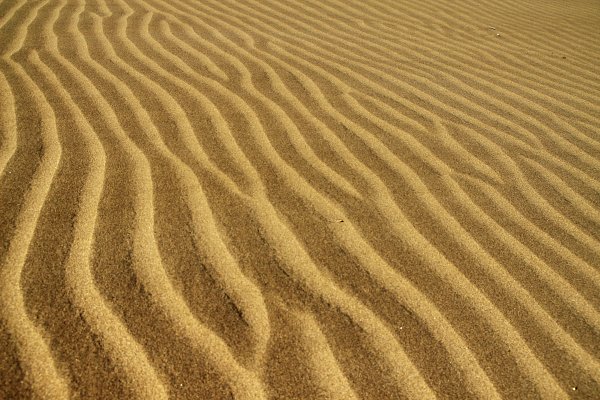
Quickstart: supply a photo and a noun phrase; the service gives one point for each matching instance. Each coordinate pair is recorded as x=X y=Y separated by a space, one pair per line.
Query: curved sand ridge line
x=281 y=199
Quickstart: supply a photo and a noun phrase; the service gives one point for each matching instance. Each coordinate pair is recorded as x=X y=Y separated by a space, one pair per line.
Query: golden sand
x=299 y=199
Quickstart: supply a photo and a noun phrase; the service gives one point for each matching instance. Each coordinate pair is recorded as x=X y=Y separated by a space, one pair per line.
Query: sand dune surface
x=299 y=199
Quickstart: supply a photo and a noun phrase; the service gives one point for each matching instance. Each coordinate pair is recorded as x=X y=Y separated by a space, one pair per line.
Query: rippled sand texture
x=299 y=199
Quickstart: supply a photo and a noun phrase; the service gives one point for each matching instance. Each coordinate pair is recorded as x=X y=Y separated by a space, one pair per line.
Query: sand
x=299 y=199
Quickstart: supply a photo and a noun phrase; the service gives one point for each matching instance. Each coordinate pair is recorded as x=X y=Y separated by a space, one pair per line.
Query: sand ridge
x=299 y=199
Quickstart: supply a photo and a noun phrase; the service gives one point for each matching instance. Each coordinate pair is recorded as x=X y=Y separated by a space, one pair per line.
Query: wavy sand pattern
x=304 y=199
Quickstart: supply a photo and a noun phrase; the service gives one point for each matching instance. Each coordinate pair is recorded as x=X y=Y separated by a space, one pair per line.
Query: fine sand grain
x=299 y=199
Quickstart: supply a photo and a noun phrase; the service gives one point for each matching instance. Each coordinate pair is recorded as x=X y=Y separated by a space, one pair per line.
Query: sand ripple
x=299 y=199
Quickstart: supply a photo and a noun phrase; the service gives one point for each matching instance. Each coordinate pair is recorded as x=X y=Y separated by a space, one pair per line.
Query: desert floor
x=299 y=199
